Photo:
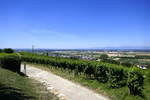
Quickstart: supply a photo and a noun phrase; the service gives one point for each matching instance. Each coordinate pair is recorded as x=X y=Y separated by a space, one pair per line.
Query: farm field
x=139 y=58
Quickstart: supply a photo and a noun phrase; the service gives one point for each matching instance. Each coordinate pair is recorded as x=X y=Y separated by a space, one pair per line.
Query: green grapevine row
x=115 y=75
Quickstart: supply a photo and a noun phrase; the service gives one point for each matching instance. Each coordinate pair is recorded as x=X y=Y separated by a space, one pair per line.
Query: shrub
x=135 y=82
x=11 y=62
x=111 y=61
x=89 y=69
x=101 y=73
x=8 y=50
x=104 y=57
x=128 y=64
x=117 y=76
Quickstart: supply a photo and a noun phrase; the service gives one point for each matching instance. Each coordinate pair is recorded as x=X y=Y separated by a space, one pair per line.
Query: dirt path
x=63 y=88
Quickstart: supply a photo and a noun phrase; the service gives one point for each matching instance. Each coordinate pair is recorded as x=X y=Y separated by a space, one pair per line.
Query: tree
x=0 y=50
x=8 y=50
x=104 y=57
x=128 y=64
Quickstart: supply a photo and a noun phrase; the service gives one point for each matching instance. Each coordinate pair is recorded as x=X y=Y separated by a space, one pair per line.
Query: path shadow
x=22 y=74
x=11 y=93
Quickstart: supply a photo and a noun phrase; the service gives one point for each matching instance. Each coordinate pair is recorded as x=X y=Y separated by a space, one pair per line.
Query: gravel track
x=62 y=88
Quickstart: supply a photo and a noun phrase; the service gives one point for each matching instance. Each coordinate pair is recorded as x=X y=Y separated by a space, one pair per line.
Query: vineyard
x=116 y=76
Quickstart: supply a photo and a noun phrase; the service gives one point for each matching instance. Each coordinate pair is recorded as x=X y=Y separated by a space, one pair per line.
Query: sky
x=70 y=24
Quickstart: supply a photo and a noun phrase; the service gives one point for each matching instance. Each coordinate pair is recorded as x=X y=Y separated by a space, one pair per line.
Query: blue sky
x=74 y=23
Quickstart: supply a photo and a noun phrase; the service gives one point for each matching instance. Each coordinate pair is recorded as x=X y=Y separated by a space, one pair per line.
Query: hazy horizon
x=90 y=48
x=72 y=24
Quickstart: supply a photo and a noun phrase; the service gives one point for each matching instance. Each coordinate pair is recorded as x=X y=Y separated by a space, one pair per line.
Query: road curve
x=64 y=88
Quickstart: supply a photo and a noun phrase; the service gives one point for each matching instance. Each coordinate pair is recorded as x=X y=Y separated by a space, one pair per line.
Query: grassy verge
x=114 y=94
x=16 y=87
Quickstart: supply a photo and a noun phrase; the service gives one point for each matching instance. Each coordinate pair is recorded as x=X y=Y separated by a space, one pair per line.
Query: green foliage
x=104 y=56
x=11 y=62
x=111 y=61
x=142 y=57
x=101 y=73
x=1 y=50
x=115 y=75
x=89 y=69
x=8 y=50
x=148 y=75
x=135 y=82
x=128 y=64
